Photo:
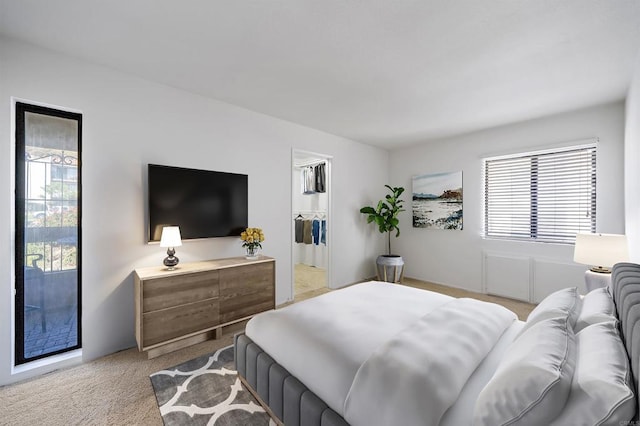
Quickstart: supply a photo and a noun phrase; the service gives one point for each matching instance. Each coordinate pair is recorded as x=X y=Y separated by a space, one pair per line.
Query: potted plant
x=385 y=216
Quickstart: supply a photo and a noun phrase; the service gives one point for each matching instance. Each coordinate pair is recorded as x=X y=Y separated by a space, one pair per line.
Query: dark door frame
x=20 y=224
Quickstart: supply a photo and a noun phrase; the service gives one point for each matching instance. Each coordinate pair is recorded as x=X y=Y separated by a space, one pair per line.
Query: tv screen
x=202 y=203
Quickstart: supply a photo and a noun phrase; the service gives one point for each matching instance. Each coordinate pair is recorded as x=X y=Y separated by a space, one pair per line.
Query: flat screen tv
x=203 y=203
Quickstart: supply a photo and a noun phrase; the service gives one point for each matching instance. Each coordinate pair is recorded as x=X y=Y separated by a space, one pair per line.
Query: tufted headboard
x=625 y=289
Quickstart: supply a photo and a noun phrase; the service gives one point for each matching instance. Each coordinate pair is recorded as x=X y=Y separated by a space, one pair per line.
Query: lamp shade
x=600 y=249
x=170 y=237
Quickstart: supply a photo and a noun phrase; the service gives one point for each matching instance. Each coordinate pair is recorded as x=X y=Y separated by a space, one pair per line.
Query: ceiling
x=383 y=72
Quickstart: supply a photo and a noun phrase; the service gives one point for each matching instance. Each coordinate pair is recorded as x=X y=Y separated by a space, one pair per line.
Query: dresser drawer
x=235 y=308
x=166 y=324
x=174 y=290
x=249 y=279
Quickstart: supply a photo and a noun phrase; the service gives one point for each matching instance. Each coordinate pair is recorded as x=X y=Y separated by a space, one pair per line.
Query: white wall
x=129 y=122
x=632 y=166
x=455 y=258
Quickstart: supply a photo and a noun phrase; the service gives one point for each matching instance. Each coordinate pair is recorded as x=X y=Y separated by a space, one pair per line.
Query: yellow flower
x=252 y=237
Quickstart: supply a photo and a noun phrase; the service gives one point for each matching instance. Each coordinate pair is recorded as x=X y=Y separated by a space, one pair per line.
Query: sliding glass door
x=48 y=232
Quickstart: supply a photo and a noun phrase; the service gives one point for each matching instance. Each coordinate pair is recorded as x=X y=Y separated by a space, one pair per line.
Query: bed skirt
x=289 y=400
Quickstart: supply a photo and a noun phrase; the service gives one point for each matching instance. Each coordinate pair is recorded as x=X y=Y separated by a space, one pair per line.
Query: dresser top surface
x=205 y=265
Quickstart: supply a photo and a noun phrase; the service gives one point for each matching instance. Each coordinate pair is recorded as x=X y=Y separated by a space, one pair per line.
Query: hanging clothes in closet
x=299 y=229
x=321 y=177
x=308 y=180
x=323 y=232
x=310 y=235
x=315 y=231
x=306 y=231
x=314 y=179
x=310 y=231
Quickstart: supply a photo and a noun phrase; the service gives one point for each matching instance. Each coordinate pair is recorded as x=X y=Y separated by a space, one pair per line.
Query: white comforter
x=418 y=374
x=326 y=340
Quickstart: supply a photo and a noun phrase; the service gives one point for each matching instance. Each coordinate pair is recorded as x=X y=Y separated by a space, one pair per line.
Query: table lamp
x=601 y=252
x=170 y=238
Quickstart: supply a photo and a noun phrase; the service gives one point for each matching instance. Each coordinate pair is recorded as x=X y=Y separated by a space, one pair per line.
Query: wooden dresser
x=192 y=303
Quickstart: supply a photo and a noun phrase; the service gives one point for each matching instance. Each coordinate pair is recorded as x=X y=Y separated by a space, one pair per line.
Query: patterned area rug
x=206 y=391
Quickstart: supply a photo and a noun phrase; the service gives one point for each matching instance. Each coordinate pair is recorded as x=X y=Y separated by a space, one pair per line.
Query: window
x=66 y=172
x=546 y=196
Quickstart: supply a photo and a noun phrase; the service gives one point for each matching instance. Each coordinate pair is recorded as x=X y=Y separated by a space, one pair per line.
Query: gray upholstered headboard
x=625 y=289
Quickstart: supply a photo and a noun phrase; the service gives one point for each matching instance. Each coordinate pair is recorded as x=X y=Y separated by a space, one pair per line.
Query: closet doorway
x=311 y=206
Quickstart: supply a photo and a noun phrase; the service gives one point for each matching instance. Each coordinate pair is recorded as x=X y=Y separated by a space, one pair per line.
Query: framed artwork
x=437 y=201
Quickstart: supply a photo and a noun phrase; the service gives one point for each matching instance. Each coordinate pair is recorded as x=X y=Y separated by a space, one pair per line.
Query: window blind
x=546 y=196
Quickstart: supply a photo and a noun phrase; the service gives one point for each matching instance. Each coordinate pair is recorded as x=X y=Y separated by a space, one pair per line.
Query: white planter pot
x=390 y=268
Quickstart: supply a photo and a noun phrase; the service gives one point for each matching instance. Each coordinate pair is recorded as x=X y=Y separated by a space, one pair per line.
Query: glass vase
x=252 y=252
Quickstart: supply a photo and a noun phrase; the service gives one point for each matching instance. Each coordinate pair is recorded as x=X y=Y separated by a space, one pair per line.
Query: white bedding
x=324 y=341
x=418 y=374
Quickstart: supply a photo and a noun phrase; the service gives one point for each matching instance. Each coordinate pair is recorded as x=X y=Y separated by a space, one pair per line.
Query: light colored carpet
x=113 y=390
x=308 y=278
x=116 y=390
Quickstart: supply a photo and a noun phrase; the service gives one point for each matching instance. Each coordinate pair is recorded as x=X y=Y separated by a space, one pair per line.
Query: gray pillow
x=600 y=391
x=562 y=303
x=597 y=306
x=533 y=379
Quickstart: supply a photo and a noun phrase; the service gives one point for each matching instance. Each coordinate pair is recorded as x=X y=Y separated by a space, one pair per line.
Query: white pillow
x=562 y=303
x=597 y=306
x=532 y=382
x=600 y=390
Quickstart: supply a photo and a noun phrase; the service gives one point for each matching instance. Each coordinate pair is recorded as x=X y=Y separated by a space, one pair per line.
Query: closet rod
x=310 y=163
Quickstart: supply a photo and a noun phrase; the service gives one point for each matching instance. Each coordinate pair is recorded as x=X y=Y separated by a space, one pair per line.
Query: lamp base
x=595 y=280
x=171 y=261
x=600 y=270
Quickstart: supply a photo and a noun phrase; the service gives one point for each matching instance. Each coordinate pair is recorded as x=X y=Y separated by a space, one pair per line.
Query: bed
x=380 y=354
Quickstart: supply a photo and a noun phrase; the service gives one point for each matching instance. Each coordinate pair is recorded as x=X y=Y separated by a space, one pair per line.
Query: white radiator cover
x=551 y=275
x=507 y=275
x=528 y=278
